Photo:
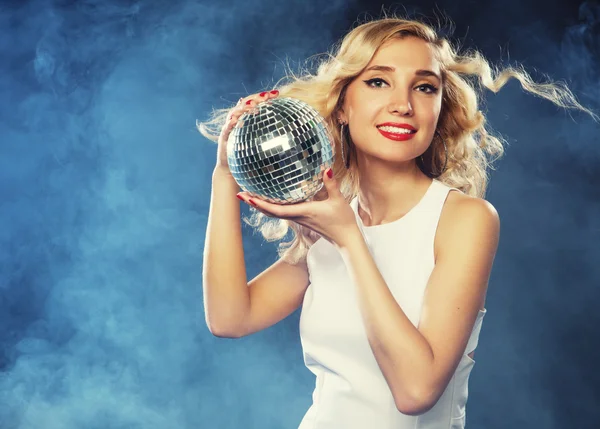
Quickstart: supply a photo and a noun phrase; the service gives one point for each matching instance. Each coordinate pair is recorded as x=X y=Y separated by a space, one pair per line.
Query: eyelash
x=432 y=89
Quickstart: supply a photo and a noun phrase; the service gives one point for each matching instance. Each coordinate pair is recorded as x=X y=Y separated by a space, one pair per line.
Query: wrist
x=352 y=237
x=222 y=175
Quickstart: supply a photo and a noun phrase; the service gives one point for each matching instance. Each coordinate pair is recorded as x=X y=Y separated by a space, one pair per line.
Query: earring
x=342 y=144
x=445 y=158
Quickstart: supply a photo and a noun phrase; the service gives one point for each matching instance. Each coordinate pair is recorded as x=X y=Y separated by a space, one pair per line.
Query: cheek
x=361 y=106
x=429 y=113
x=364 y=102
x=437 y=106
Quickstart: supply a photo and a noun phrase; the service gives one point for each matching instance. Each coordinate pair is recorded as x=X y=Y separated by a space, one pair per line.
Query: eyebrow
x=422 y=73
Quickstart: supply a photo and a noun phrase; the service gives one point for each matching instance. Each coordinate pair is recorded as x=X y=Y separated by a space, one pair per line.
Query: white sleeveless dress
x=350 y=390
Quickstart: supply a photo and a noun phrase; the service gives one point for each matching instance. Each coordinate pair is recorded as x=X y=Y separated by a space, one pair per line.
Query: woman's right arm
x=225 y=291
x=234 y=308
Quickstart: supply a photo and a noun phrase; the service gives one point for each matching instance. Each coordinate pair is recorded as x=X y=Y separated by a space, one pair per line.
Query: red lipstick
x=397 y=136
x=398 y=125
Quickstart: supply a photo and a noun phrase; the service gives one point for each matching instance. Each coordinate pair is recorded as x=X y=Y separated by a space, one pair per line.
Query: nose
x=400 y=103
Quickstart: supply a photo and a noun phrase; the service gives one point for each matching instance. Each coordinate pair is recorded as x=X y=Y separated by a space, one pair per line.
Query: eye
x=370 y=81
x=430 y=88
x=374 y=83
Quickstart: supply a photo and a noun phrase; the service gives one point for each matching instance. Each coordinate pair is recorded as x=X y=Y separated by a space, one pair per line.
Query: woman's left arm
x=418 y=363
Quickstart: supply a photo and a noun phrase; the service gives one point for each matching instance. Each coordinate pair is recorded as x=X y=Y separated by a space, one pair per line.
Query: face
x=395 y=88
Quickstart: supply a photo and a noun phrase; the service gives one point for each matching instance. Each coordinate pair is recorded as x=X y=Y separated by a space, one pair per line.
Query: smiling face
x=398 y=86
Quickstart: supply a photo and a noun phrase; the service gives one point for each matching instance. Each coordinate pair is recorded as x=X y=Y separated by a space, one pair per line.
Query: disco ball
x=276 y=151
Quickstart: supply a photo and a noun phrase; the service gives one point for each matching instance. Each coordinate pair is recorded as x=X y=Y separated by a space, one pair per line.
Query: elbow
x=222 y=333
x=413 y=408
x=415 y=405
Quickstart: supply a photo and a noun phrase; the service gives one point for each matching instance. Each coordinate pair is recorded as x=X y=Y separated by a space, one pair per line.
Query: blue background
x=104 y=193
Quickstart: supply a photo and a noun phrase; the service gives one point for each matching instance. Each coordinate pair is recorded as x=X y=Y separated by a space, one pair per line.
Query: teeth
x=396 y=130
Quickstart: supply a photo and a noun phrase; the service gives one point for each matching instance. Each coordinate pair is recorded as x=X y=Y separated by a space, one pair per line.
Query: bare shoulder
x=459 y=204
x=463 y=214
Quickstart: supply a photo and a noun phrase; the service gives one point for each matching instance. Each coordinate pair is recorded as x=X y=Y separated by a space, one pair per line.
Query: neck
x=387 y=193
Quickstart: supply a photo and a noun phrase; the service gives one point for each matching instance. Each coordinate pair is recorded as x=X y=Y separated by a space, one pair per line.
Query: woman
x=391 y=262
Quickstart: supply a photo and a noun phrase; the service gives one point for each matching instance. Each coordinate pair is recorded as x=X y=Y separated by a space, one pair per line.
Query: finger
x=261 y=206
x=244 y=104
x=283 y=211
x=233 y=110
x=233 y=119
x=238 y=111
x=274 y=93
x=321 y=194
x=256 y=99
x=248 y=103
x=263 y=96
x=248 y=106
x=330 y=183
x=230 y=123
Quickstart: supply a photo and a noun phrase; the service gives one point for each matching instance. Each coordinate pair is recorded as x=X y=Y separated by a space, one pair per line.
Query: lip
x=396 y=136
x=398 y=125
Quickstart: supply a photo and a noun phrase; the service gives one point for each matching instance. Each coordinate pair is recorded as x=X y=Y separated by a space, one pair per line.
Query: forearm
x=225 y=287
x=402 y=353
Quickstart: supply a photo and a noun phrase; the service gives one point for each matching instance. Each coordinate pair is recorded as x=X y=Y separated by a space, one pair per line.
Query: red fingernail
x=329 y=173
x=274 y=92
x=249 y=101
x=251 y=201
x=239 y=197
x=262 y=94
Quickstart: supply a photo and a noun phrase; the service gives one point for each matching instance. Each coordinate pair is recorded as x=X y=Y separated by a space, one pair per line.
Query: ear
x=341 y=117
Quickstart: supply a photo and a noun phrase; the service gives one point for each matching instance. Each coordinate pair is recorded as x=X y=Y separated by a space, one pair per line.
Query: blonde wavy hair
x=471 y=147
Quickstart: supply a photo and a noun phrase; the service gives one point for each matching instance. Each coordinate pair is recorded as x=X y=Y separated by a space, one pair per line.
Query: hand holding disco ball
x=279 y=151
